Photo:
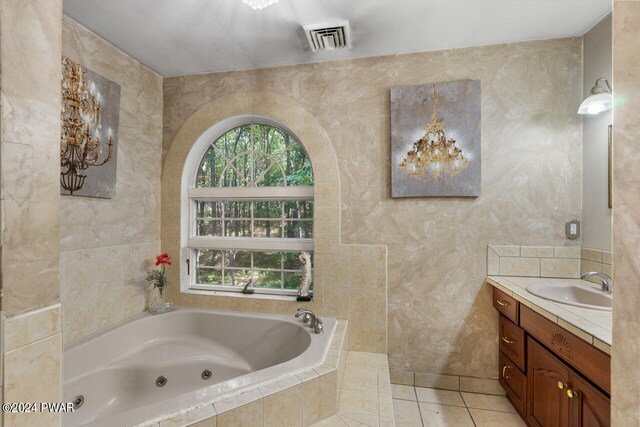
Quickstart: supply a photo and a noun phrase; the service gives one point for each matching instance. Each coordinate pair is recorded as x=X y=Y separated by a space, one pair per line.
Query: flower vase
x=157 y=304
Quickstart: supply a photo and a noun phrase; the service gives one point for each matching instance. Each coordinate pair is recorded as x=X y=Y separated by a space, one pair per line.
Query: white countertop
x=593 y=326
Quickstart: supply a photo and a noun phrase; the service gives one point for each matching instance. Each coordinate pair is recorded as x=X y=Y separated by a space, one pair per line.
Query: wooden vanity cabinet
x=559 y=396
x=590 y=408
x=552 y=377
x=548 y=404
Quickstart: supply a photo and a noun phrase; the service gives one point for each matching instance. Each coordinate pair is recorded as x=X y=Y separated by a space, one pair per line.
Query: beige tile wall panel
x=30 y=121
x=625 y=364
x=440 y=316
x=118 y=237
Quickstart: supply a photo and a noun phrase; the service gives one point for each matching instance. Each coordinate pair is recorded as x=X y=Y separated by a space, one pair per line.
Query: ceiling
x=180 y=37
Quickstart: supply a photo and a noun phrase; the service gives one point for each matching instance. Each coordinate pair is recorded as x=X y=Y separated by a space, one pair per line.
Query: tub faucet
x=607 y=282
x=309 y=317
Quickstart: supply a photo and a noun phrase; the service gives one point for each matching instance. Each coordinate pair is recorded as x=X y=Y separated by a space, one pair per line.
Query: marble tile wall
x=31 y=345
x=30 y=120
x=534 y=261
x=104 y=286
x=440 y=318
x=625 y=384
x=108 y=244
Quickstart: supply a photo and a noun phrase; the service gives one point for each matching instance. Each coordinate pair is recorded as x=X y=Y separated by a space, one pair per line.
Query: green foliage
x=277 y=156
x=157 y=279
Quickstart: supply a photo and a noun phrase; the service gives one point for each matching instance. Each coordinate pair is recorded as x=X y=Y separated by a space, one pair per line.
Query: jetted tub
x=117 y=372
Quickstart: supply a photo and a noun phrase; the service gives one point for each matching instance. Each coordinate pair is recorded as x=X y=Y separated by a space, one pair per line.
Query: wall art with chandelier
x=435 y=140
x=89 y=132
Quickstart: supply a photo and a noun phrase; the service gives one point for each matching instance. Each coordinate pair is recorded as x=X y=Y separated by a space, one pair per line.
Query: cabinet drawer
x=588 y=360
x=506 y=305
x=512 y=342
x=514 y=382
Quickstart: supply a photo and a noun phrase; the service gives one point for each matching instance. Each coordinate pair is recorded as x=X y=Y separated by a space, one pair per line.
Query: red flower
x=163 y=259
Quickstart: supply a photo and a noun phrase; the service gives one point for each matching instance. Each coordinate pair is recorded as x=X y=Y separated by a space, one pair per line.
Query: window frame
x=189 y=242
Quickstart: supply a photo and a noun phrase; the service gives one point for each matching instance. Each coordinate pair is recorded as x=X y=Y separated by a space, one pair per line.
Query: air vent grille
x=328 y=37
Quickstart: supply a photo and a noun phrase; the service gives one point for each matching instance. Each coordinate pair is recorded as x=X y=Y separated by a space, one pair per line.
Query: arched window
x=250 y=211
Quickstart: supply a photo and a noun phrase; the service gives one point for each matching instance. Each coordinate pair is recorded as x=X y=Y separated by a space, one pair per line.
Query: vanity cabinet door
x=589 y=406
x=547 y=403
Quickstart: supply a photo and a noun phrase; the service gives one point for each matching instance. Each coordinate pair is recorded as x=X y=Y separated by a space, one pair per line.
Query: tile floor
x=427 y=407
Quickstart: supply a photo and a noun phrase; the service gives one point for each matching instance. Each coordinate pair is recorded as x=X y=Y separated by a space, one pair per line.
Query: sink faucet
x=607 y=282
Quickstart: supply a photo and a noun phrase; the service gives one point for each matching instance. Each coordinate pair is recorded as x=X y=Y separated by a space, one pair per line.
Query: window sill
x=241 y=295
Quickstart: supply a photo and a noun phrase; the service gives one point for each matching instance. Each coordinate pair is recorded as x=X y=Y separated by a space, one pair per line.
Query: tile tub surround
x=108 y=244
x=534 y=261
x=297 y=400
x=32 y=348
x=520 y=182
x=350 y=281
x=94 y=299
x=593 y=326
x=625 y=391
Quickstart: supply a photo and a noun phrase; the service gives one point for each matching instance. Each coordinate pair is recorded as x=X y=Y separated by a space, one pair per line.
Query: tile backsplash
x=595 y=260
x=534 y=261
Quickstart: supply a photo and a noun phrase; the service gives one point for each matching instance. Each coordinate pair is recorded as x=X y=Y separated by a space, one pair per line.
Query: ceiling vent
x=328 y=37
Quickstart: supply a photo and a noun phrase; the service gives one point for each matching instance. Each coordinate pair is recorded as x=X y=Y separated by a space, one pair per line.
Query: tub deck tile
x=238 y=400
x=190 y=416
x=279 y=385
x=307 y=375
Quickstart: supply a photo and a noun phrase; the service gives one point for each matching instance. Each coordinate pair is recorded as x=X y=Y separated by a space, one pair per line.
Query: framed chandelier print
x=89 y=132
x=435 y=140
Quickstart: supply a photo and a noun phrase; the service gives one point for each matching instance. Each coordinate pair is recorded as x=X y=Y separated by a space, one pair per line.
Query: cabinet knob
x=502 y=303
x=572 y=393
x=562 y=385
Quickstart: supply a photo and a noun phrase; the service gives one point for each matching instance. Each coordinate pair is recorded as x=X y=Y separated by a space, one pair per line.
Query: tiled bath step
x=365 y=393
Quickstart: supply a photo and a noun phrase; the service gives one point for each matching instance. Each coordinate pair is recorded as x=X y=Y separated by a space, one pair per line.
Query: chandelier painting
x=89 y=126
x=442 y=156
x=433 y=153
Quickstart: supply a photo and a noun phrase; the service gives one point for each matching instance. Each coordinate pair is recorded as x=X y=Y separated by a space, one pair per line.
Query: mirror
x=596 y=172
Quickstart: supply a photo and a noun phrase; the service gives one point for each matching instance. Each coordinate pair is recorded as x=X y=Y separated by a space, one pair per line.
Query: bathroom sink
x=577 y=295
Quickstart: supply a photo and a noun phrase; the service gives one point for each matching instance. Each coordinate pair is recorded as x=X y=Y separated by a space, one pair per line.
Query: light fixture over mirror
x=259 y=4
x=600 y=99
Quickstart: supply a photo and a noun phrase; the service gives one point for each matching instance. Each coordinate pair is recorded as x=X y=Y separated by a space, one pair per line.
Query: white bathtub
x=116 y=371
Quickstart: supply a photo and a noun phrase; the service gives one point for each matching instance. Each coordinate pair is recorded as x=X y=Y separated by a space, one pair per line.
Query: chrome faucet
x=309 y=317
x=607 y=282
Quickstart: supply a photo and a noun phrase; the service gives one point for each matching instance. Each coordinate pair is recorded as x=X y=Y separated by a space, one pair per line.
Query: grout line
x=418 y=403
x=471 y=416
x=468 y=410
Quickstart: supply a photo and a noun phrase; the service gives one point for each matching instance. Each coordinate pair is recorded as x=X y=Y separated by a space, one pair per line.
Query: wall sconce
x=600 y=99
